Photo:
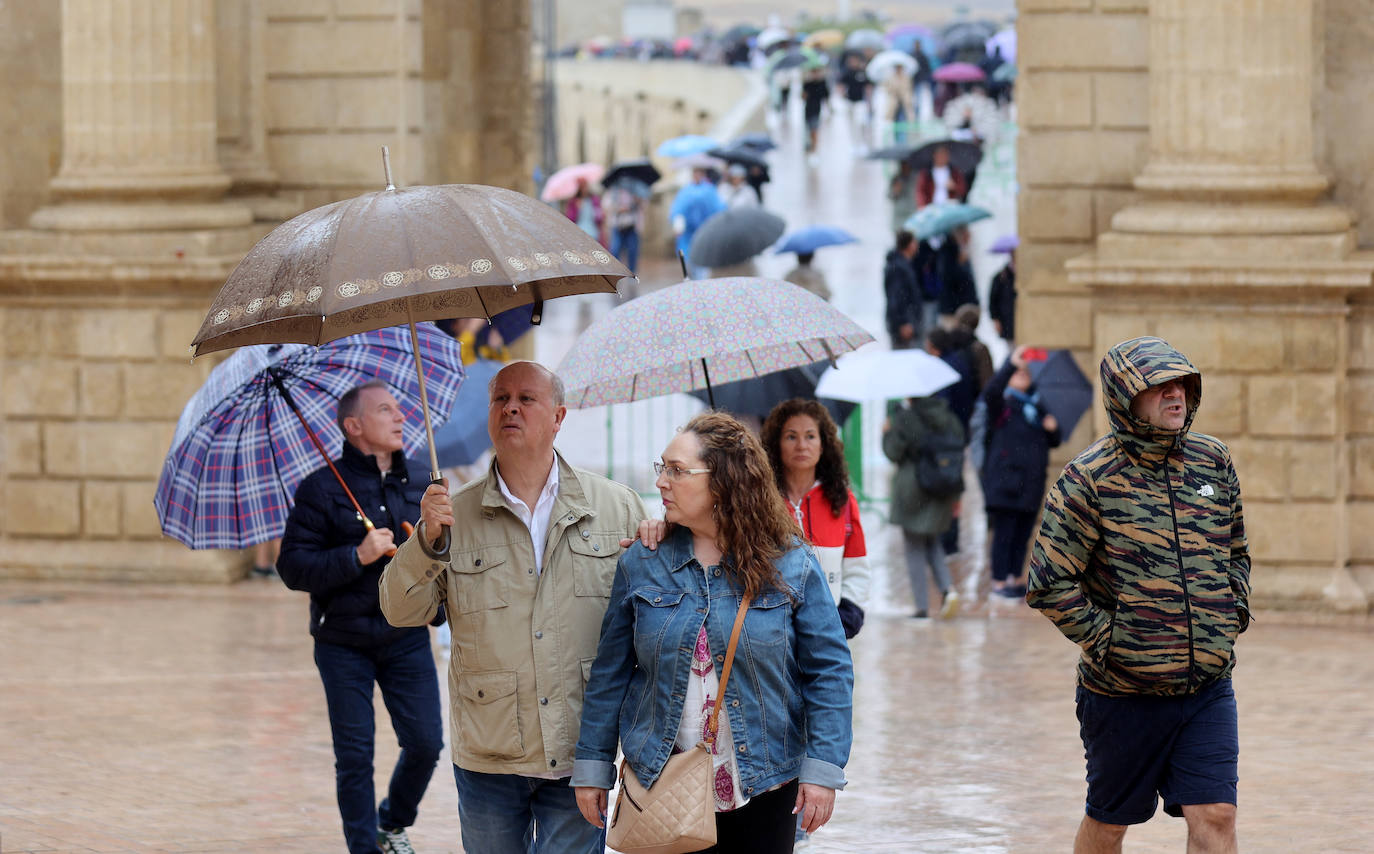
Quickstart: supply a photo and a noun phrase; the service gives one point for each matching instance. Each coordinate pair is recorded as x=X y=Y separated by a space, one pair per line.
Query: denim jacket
x=791 y=687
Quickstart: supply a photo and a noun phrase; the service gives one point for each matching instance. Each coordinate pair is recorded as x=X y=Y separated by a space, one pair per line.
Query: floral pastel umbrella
x=689 y=335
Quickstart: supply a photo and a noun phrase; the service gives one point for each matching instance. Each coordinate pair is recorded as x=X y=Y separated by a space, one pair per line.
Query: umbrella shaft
x=434 y=475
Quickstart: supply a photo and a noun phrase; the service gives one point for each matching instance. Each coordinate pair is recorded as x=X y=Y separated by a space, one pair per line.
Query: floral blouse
x=703 y=687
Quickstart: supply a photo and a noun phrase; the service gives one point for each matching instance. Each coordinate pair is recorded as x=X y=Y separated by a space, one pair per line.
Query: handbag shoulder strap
x=714 y=720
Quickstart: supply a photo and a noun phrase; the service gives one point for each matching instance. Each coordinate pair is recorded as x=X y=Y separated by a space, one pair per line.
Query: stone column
x=138 y=141
x=241 y=74
x=1233 y=255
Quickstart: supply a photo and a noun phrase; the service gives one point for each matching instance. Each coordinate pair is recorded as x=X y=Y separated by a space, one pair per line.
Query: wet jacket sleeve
x=898 y=441
x=1069 y=531
x=1239 y=568
x=310 y=559
x=594 y=756
x=412 y=588
x=827 y=681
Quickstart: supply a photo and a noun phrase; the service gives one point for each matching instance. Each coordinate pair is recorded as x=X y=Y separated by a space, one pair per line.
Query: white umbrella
x=865 y=40
x=772 y=36
x=881 y=66
x=873 y=374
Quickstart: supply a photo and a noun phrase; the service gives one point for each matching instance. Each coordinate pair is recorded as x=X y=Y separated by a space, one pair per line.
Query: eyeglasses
x=676 y=472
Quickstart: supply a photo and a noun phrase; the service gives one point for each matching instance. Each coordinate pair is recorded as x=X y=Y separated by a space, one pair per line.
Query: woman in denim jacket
x=785 y=735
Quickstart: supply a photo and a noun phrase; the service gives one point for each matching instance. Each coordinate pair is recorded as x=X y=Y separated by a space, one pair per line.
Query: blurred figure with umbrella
x=858 y=93
x=728 y=242
x=816 y=94
x=627 y=189
x=898 y=88
x=329 y=553
x=901 y=191
x=1002 y=295
x=805 y=243
x=584 y=208
x=692 y=207
x=735 y=191
x=905 y=312
x=939 y=181
x=1020 y=433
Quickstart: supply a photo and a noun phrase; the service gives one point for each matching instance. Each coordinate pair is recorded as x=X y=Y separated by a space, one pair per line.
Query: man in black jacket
x=328 y=552
x=903 y=292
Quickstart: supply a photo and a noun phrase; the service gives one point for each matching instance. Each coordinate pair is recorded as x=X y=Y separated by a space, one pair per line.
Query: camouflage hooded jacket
x=1141 y=558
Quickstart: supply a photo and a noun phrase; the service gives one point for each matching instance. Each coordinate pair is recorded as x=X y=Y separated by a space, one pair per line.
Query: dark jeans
x=625 y=246
x=765 y=825
x=1011 y=533
x=512 y=814
x=404 y=670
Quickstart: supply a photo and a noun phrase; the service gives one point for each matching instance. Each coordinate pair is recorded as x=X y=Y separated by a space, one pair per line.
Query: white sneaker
x=950 y=606
x=394 y=841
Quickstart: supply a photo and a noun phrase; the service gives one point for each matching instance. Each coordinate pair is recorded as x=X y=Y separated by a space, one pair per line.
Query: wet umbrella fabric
x=964 y=156
x=881 y=66
x=865 y=40
x=734 y=236
x=758 y=396
x=464 y=437
x=808 y=240
x=960 y=72
x=239 y=451
x=636 y=170
x=1064 y=391
x=892 y=152
x=699 y=333
x=772 y=37
x=873 y=374
x=686 y=146
x=1004 y=42
x=1005 y=245
x=564 y=183
x=742 y=154
x=756 y=141
x=942 y=218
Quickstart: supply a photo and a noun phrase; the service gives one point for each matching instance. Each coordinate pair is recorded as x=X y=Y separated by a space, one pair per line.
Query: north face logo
x=1206 y=491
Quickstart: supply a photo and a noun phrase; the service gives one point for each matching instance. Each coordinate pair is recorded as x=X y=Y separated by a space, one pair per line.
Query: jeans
x=404 y=670
x=625 y=246
x=502 y=813
x=923 y=552
x=1011 y=533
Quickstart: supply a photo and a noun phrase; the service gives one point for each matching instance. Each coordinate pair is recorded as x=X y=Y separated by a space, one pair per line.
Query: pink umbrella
x=959 y=72
x=563 y=183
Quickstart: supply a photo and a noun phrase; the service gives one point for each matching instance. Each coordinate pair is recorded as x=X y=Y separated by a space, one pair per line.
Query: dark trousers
x=404 y=670
x=1011 y=533
x=625 y=247
x=765 y=825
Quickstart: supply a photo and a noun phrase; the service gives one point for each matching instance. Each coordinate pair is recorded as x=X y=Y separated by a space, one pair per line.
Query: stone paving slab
x=164 y=719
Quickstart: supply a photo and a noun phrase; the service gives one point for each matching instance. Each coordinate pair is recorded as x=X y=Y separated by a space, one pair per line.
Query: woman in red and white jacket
x=804 y=447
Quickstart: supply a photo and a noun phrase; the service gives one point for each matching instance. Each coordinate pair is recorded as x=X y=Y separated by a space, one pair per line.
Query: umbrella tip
x=386 y=167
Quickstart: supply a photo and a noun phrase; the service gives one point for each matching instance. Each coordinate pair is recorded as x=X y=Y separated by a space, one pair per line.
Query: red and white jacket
x=838 y=542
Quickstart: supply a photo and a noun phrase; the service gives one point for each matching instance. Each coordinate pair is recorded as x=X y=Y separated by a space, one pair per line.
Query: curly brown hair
x=831 y=469
x=753 y=526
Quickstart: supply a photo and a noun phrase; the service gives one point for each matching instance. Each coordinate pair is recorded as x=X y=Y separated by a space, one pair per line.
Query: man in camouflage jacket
x=1141 y=560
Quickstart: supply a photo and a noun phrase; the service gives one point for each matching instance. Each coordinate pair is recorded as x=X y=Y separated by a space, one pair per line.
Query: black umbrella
x=1064 y=391
x=734 y=236
x=794 y=59
x=964 y=156
x=758 y=395
x=892 y=152
x=740 y=32
x=639 y=170
x=742 y=154
x=757 y=141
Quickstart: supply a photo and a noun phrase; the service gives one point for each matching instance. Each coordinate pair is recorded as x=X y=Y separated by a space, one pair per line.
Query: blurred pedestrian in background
x=901 y=110
x=1002 y=299
x=625 y=215
x=901 y=191
x=941 y=182
x=693 y=205
x=1020 y=434
x=584 y=208
x=735 y=191
x=904 y=313
x=816 y=94
x=807 y=276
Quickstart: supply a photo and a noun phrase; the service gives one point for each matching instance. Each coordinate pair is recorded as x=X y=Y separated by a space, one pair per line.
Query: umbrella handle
x=434 y=475
x=405 y=526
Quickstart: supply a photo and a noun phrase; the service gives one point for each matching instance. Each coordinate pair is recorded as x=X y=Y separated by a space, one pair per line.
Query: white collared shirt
x=940 y=176
x=538 y=521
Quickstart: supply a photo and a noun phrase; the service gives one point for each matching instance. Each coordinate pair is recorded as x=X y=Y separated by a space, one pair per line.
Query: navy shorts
x=1184 y=749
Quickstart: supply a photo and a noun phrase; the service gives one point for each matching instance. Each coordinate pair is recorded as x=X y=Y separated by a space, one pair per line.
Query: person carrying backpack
x=1020 y=433
x=926 y=441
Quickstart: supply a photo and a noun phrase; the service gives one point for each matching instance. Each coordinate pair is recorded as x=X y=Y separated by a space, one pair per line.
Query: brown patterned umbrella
x=397 y=256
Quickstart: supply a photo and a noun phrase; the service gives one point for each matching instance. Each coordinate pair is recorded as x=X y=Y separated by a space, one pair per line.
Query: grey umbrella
x=734 y=236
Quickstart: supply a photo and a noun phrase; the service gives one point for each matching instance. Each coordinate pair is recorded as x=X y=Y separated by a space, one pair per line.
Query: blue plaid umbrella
x=239 y=450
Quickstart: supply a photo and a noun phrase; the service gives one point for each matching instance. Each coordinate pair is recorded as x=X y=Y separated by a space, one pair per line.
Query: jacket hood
x=1132 y=367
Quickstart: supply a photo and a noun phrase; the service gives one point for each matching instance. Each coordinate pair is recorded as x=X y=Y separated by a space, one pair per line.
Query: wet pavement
x=191 y=719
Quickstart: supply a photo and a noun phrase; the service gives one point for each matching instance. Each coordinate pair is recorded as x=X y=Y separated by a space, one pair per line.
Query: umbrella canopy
x=783 y=60
x=1005 y=244
x=881 y=66
x=563 y=184
x=960 y=72
x=464 y=437
x=942 y=218
x=909 y=30
x=756 y=141
x=892 y=152
x=639 y=170
x=741 y=154
x=700 y=160
x=759 y=395
x=456 y=250
x=772 y=37
x=735 y=235
x=964 y=156
x=808 y=240
x=685 y=146
x=240 y=451
x=865 y=40
x=1004 y=73
x=824 y=39
x=638 y=188
x=739 y=33
x=965 y=36
x=873 y=374
x=1063 y=389
x=689 y=335
x=1003 y=41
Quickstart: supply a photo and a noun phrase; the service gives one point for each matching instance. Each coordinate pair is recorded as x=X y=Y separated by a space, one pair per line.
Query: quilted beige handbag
x=678 y=814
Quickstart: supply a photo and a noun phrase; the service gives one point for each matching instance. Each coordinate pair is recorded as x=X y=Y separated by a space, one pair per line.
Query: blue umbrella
x=808 y=240
x=942 y=218
x=250 y=435
x=464 y=437
x=686 y=146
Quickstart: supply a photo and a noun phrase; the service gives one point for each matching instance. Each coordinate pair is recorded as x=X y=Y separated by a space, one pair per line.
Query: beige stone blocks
x=1277 y=470
x=23 y=450
x=1057 y=215
x=1292 y=531
x=139 y=515
x=102 y=389
x=100 y=509
x=1082 y=157
x=40 y=387
x=1223 y=405
x=1057 y=321
x=1292 y=406
x=105 y=449
x=1056 y=99
x=1121 y=99
x=1083 y=41
x=42 y=507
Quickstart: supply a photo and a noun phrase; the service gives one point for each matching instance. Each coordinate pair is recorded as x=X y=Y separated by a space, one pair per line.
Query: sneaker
x=394 y=841
x=920 y=615
x=1013 y=591
x=950 y=606
x=264 y=572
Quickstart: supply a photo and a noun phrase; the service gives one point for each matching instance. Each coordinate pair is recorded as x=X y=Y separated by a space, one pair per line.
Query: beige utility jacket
x=523 y=643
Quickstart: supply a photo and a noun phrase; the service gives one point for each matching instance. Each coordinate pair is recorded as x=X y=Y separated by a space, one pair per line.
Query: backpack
x=940 y=465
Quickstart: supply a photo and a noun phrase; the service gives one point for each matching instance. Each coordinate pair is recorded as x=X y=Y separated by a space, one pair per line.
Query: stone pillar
x=1233 y=256
x=138 y=139
x=241 y=74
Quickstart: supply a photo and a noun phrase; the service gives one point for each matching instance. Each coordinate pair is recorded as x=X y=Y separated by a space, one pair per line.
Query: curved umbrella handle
x=405 y=526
